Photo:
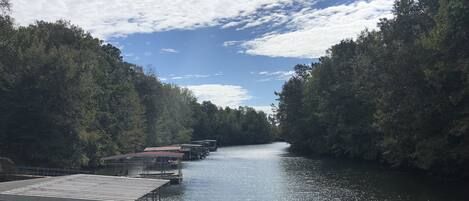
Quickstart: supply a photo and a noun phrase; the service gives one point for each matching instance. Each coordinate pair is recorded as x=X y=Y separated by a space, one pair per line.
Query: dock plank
x=85 y=187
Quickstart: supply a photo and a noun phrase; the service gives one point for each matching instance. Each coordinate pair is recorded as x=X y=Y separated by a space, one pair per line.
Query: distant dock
x=154 y=164
x=157 y=167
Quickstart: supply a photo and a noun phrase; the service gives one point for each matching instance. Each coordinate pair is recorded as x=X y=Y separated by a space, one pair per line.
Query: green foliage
x=400 y=94
x=232 y=126
x=67 y=100
x=4 y=6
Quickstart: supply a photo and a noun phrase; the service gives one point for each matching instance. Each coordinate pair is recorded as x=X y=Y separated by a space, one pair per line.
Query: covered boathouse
x=82 y=187
x=190 y=151
x=156 y=165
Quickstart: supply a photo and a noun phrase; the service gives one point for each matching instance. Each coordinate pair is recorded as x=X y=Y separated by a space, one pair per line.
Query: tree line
x=67 y=99
x=399 y=94
x=233 y=126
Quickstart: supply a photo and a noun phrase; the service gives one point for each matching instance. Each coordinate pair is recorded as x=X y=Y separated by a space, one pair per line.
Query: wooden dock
x=82 y=187
x=153 y=164
x=159 y=162
x=190 y=151
x=11 y=172
x=174 y=177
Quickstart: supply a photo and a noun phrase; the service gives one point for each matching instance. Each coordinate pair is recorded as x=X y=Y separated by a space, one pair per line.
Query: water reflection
x=268 y=172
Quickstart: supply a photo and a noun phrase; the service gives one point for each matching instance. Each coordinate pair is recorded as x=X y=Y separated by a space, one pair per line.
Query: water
x=270 y=173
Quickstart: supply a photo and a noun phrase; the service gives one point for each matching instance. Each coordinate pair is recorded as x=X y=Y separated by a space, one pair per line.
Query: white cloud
x=273 y=19
x=286 y=28
x=192 y=76
x=221 y=95
x=231 y=43
x=232 y=24
x=168 y=50
x=275 y=75
x=312 y=31
x=113 y=18
x=189 y=76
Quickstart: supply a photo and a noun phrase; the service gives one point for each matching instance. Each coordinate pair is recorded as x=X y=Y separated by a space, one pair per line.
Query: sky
x=231 y=52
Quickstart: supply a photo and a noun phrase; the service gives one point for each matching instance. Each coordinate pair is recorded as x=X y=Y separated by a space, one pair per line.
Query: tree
x=291 y=114
x=398 y=94
x=4 y=7
x=68 y=99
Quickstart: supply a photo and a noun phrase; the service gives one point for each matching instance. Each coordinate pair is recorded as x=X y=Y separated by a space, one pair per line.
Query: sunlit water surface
x=268 y=173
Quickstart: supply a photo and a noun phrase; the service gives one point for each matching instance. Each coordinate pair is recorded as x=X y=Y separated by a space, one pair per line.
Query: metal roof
x=190 y=145
x=204 y=141
x=166 y=148
x=80 y=187
x=153 y=154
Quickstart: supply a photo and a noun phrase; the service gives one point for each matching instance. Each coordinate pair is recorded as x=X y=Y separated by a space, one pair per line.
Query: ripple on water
x=269 y=173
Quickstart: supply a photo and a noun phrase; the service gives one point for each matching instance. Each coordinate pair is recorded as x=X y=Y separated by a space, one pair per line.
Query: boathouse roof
x=165 y=148
x=80 y=187
x=190 y=145
x=198 y=141
x=149 y=154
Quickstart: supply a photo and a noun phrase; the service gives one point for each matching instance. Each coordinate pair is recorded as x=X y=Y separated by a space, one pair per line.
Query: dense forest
x=67 y=99
x=399 y=94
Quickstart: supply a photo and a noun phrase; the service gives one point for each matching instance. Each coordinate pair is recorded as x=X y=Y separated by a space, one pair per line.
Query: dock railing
x=41 y=171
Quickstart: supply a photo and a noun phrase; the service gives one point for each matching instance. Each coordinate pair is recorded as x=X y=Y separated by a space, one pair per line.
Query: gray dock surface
x=79 y=187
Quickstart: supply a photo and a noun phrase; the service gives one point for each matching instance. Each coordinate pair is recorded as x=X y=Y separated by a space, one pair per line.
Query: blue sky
x=231 y=52
x=199 y=58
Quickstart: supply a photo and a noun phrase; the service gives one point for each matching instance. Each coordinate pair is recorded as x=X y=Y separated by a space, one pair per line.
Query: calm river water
x=269 y=173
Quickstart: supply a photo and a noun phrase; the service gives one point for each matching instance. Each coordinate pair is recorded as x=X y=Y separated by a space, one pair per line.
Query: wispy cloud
x=191 y=76
x=129 y=55
x=264 y=76
x=168 y=50
x=114 y=18
x=312 y=31
x=231 y=43
x=221 y=95
x=285 y=28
